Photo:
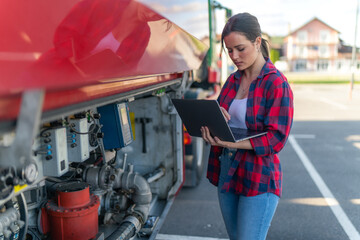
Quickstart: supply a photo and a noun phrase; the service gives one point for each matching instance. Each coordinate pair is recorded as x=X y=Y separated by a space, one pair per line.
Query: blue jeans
x=246 y=218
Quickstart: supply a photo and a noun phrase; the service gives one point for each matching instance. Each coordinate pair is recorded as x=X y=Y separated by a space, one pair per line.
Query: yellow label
x=18 y=188
x=132 y=120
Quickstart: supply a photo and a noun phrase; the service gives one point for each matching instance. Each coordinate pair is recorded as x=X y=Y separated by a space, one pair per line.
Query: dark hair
x=248 y=25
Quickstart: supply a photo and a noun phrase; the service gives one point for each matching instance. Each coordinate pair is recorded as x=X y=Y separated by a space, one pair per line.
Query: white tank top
x=237 y=112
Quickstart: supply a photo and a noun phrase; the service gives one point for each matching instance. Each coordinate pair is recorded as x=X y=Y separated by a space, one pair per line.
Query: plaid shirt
x=269 y=108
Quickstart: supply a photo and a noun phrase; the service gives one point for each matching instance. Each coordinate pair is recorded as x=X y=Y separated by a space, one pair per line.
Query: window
x=302 y=36
x=300 y=65
x=324 y=51
x=324 y=36
x=339 y=65
x=301 y=51
x=323 y=65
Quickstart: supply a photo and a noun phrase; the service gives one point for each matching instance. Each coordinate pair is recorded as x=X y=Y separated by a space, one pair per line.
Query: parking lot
x=321 y=167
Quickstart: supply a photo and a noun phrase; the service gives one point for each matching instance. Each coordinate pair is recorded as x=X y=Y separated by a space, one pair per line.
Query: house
x=344 y=61
x=312 y=47
x=316 y=46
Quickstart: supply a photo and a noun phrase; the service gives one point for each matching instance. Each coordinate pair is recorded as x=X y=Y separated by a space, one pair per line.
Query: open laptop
x=197 y=113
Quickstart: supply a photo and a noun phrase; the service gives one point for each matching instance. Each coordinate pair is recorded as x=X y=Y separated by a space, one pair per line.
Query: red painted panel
x=10 y=105
x=65 y=45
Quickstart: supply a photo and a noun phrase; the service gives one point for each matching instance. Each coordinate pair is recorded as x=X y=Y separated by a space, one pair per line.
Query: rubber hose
x=124 y=232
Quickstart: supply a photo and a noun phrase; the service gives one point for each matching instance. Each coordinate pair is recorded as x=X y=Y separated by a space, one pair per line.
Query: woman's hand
x=215 y=141
x=225 y=113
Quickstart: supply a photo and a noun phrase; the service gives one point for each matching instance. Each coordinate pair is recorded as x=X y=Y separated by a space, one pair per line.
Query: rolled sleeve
x=278 y=120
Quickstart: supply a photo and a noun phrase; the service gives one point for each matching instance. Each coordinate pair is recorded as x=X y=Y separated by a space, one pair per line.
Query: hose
x=126 y=231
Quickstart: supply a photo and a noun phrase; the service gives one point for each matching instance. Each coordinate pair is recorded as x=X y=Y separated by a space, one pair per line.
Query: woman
x=257 y=96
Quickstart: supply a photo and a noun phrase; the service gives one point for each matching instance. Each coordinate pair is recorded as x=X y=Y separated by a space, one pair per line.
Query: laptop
x=196 y=113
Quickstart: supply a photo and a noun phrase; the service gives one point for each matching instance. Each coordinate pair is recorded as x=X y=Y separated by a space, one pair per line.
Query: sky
x=276 y=17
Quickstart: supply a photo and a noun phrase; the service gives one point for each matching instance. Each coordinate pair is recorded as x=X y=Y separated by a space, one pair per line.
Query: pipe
x=156 y=175
x=127 y=229
x=129 y=181
x=142 y=194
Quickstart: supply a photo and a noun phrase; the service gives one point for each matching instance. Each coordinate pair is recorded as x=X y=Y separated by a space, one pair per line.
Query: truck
x=91 y=146
x=208 y=78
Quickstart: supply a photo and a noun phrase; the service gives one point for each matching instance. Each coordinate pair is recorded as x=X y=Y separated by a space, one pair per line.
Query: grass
x=320 y=81
x=320 y=78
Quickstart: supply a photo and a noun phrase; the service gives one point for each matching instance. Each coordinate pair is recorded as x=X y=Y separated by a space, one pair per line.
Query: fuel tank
x=66 y=46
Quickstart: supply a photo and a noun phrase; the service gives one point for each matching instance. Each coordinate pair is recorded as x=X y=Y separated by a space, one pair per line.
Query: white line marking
x=304 y=136
x=334 y=205
x=180 y=237
x=328 y=101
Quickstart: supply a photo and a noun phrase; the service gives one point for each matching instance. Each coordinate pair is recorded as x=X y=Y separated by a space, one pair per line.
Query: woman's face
x=242 y=51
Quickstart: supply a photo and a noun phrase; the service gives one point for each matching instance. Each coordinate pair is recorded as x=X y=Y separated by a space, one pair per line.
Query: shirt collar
x=266 y=69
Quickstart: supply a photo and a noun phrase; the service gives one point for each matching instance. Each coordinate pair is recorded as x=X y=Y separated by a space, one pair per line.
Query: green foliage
x=274 y=55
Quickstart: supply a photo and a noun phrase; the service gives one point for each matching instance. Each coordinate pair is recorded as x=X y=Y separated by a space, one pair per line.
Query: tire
x=196 y=162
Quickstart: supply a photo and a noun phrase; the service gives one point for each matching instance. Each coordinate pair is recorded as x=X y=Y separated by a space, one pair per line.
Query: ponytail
x=265 y=47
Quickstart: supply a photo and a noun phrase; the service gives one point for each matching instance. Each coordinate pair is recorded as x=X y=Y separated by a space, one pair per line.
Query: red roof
x=307 y=23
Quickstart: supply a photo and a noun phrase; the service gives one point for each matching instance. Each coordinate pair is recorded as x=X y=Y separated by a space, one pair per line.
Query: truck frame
x=91 y=146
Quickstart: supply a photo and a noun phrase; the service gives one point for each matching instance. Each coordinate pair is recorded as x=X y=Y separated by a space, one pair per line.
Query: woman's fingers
x=225 y=113
x=207 y=136
x=202 y=129
x=214 y=141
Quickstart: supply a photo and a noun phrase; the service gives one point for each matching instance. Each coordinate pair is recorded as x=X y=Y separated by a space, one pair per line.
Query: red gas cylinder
x=74 y=214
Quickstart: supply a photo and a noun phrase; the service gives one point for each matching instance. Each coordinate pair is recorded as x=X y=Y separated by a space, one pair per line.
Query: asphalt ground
x=321 y=176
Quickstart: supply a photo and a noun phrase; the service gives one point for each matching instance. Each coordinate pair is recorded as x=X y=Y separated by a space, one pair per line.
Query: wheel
x=195 y=158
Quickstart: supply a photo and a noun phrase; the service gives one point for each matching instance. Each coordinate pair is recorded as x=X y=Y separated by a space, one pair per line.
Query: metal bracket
x=183 y=85
x=17 y=156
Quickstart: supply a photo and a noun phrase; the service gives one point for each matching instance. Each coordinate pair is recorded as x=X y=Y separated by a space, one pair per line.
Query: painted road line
x=331 y=102
x=334 y=205
x=304 y=136
x=182 y=237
